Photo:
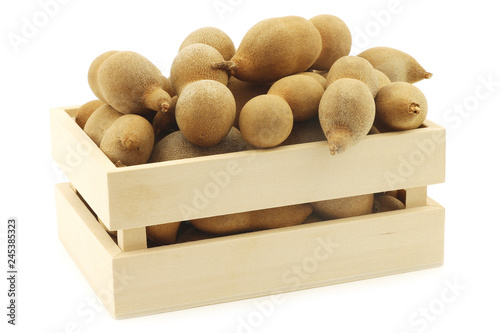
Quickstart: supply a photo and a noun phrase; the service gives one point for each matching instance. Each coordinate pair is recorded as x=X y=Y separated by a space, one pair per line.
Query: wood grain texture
x=260 y=263
x=133 y=280
x=83 y=163
x=90 y=246
x=150 y=194
x=132 y=239
x=259 y=179
x=416 y=196
x=274 y=261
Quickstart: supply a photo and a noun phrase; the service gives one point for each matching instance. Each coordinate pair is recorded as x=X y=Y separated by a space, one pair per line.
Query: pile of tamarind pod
x=290 y=80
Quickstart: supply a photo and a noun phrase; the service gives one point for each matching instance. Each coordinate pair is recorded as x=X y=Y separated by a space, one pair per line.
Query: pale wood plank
x=262 y=263
x=132 y=239
x=231 y=183
x=137 y=196
x=91 y=248
x=229 y=268
x=81 y=160
x=71 y=110
x=145 y=281
x=416 y=196
x=112 y=233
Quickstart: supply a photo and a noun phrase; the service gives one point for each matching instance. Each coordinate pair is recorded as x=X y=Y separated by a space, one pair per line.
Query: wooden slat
x=150 y=194
x=89 y=245
x=81 y=160
x=231 y=183
x=274 y=261
x=416 y=196
x=132 y=239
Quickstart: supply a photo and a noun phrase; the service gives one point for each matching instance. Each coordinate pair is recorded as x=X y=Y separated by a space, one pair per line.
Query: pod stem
x=228 y=66
x=427 y=75
x=164 y=122
x=119 y=164
x=129 y=141
x=414 y=108
x=339 y=139
x=157 y=99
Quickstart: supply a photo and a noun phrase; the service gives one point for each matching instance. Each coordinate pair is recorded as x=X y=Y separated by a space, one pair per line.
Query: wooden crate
x=132 y=279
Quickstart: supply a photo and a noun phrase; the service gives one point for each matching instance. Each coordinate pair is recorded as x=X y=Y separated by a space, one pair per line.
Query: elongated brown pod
x=254 y=220
x=336 y=40
x=274 y=48
x=128 y=141
x=400 y=106
x=175 y=146
x=99 y=122
x=94 y=70
x=163 y=234
x=205 y=112
x=355 y=68
x=346 y=113
x=214 y=37
x=194 y=63
x=130 y=83
x=396 y=64
x=344 y=207
x=386 y=203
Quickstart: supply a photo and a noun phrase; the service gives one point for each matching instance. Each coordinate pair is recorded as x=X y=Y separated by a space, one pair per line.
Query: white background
x=455 y=40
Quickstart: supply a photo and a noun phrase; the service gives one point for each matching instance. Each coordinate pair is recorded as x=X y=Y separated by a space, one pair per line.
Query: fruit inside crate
x=260 y=179
x=186 y=231
x=179 y=276
x=231 y=154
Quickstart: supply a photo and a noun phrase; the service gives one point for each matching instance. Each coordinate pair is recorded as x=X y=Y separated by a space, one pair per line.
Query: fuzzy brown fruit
x=254 y=220
x=320 y=78
x=336 y=40
x=205 y=112
x=304 y=132
x=194 y=63
x=86 y=110
x=386 y=203
x=175 y=146
x=163 y=234
x=355 y=68
x=266 y=121
x=313 y=218
x=99 y=121
x=383 y=80
x=346 y=113
x=302 y=93
x=94 y=70
x=164 y=122
x=128 y=141
x=374 y=130
x=245 y=91
x=275 y=48
x=400 y=106
x=192 y=234
x=130 y=83
x=214 y=37
x=397 y=65
x=344 y=207
x=167 y=86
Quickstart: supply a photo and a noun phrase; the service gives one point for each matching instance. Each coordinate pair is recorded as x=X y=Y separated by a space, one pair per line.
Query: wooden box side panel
x=81 y=160
x=88 y=244
x=230 y=183
x=274 y=261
